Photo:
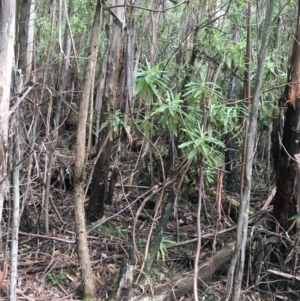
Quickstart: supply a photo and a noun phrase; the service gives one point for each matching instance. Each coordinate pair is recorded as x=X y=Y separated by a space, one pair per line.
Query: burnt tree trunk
x=286 y=198
x=287 y=195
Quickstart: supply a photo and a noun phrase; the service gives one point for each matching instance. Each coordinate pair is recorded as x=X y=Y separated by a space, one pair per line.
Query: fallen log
x=184 y=284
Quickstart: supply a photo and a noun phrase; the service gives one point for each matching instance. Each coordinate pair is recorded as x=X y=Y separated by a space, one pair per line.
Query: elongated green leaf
x=139 y=86
x=153 y=89
x=185 y=144
x=192 y=154
x=173 y=127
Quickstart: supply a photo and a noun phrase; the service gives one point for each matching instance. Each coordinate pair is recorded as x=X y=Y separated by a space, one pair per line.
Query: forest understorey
x=149 y=150
x=49 y=270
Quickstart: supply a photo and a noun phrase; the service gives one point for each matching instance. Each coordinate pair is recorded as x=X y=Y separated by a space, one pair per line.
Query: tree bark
x=16 y=211
x=79 y=177
x=111 y=101
x=7 y=36
x=168 y=207
x=231 y=141
x=24 y=46
x=242 y=225
x=287 y=197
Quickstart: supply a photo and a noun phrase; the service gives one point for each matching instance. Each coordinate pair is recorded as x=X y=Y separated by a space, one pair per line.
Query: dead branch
x=184 y=284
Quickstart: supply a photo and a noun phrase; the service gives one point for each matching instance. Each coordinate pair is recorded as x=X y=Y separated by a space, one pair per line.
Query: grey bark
x=25 y=36
x=80 y=163
x=7 y=36
x=16 y=213
x=242 y=226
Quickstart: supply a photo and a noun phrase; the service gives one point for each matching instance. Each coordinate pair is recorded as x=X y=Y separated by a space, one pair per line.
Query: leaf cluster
x=198 y=119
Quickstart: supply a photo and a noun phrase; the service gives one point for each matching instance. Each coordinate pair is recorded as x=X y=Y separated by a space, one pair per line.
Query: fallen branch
x=184 y=284
x=285 y=275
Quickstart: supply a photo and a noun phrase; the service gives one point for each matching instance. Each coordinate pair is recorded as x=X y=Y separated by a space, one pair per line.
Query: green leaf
x=185 y=144
x=163 y=107
x=139 y=86
x=153 y=89
x=295 y=217
x=192 y=154
x=173 y=127
x=228 y=61
x=198 y=142
x=103 y=125
x=205 y=151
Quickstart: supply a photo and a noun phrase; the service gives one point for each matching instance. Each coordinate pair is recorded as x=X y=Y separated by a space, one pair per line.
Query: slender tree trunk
x=141 y=37
x=51 y=44
x=247 y=95
x=274 y=127
x=242 y=226
x=7 y=36
x=16 y=212
x=197 y=14
x=80 y=177
x=231 y=141
x=24 y=46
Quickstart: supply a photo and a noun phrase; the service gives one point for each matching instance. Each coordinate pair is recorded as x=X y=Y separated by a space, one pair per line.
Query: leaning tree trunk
x=80 y=177
x=100 y=192
x=287 y=197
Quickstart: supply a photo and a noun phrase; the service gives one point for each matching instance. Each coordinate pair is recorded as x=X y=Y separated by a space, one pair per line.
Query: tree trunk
x=231 y=141
x=80 y=177
x=287 y=197
x=7 y=36
x=238 y=259
x=158 y=235
x=24 y=46
x=99 y=185
x=16 y=210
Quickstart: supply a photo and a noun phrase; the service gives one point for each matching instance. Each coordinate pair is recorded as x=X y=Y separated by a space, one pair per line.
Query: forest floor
x=48 y=267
